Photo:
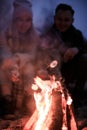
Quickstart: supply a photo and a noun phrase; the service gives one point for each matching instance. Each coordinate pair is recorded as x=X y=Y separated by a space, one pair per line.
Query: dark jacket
x=72 y=38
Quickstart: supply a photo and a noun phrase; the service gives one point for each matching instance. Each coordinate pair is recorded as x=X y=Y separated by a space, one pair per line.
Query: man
x=73 y=38
x=74 y=57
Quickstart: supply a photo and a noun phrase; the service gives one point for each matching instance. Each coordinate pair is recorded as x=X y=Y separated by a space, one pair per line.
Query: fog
x=43 y=11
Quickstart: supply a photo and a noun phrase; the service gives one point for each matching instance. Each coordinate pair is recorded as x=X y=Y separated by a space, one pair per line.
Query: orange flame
x=40 y=120
x=43 y=101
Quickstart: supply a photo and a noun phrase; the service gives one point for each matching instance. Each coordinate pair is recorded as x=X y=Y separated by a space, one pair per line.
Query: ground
x=19 y=122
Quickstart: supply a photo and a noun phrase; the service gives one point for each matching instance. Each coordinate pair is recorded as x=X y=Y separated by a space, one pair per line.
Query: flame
x=41 y=118
x=43 y=101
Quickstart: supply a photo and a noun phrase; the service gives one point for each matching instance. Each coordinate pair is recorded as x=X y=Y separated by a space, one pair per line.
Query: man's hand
x=70 y=53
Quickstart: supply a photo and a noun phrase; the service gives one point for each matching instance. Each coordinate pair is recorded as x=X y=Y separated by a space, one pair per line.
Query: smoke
x=5 y=13
x=44 y=12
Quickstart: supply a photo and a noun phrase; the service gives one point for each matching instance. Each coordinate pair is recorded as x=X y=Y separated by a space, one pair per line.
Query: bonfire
x=54 y=109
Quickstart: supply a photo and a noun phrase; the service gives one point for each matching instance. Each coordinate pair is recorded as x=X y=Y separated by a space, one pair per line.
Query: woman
x=17 y=70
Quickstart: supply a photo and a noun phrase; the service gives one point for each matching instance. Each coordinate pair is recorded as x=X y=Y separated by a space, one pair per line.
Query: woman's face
x=63 y=20
x=23 y=21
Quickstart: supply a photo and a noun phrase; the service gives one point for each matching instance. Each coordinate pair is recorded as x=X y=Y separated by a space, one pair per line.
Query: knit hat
x=22 y=4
